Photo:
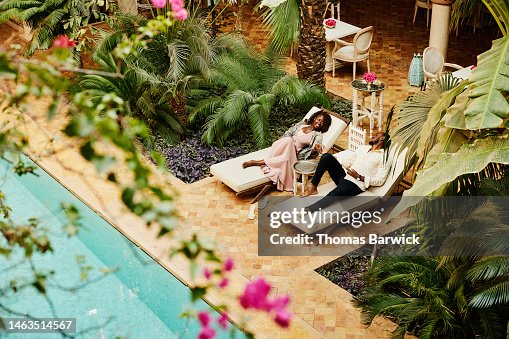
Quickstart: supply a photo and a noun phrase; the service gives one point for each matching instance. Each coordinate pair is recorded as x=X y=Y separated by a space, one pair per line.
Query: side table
x=304 y=167
x=361 y=91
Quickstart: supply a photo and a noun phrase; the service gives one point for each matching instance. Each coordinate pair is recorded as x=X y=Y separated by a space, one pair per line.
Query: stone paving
x=211 y=210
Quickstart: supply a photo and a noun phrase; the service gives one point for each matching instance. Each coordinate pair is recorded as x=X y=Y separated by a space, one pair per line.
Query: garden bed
x=347 y=272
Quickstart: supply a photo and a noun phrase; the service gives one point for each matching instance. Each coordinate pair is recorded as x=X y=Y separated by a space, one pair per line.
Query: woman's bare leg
x=251 y=163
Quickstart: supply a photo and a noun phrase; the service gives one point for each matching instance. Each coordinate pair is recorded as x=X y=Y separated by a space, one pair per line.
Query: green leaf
x=87 y=151
x=455 y=115
x=489 y=82
x=430 y=127
x=197 y=292
x=470 y=158
x=53 y=108
x=6 y=71
x=103 y=163
x=127 y=196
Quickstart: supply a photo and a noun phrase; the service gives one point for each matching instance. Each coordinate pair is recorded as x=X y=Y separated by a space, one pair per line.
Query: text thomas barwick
x=322 y=238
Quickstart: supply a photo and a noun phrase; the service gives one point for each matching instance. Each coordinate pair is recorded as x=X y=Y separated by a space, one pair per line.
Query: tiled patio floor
x=213 y=211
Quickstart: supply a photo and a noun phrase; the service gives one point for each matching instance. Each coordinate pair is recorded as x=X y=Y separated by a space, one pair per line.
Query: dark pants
x=343 y=187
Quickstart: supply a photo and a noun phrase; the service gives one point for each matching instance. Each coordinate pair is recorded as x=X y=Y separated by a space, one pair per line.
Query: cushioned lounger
x=239 y=179
x=370 y=198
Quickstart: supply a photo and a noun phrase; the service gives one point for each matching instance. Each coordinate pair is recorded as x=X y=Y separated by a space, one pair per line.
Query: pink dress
x=282 y=157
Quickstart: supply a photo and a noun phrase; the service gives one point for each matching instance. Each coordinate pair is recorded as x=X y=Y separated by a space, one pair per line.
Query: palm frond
x=283 y=23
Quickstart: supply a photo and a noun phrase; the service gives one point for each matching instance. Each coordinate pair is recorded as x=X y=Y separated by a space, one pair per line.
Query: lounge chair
x=243 y=180
x=365 y=200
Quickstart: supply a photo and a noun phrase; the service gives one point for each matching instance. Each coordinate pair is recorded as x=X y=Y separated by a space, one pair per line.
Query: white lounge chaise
x=242 y=180
x=369 y=198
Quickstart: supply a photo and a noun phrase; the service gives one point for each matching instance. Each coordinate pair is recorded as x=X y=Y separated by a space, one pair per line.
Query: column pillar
x=128 y=6
x=440 y=18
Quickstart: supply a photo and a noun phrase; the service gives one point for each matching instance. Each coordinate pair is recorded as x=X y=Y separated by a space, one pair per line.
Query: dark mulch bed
x=347 y=272
x=190 y=159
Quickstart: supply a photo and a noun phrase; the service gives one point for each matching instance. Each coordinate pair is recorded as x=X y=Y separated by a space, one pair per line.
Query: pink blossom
x=223 y=321
x=278 y=304
x=181 y=14
x=206 y=273
x=204 y=318
x=255 y=295
x=283 y=318
x=158 y=3
x=62 y=41
x=224 y=282
x=228 y=265
x=369 y=77
x=206 y=333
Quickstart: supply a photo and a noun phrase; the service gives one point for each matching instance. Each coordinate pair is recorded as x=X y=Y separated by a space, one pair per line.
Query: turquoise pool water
x=139 y=300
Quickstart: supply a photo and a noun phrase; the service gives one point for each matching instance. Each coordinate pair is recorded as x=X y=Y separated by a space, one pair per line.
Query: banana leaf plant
x=465 y=131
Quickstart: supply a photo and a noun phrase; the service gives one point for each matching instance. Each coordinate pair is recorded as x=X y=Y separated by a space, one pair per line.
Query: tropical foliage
x=467 y=125
x=156 y=78
x=461 y=294
x=250 y=87
x=440 y=297
x=51 y=18
x=300 y=22
x=463 y=11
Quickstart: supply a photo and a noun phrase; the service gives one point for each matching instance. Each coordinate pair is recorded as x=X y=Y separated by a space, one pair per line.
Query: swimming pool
x=139 y=300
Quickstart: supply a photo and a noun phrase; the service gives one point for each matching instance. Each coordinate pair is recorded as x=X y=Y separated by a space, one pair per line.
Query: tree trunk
x=311 y=50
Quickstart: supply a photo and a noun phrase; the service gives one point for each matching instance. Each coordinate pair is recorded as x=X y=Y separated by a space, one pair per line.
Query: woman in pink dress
x=302 y=141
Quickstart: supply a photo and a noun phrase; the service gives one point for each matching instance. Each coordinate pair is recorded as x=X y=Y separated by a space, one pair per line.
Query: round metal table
x=304 y=168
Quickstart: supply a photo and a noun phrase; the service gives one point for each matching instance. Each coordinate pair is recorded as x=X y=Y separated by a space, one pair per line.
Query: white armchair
x=423 y=4
x=433 y=63
x=355 y=51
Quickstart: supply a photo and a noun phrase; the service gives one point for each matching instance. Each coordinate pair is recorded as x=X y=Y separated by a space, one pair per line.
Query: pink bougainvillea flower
x=181 y=14
x=283 y=318
x=255 y=295
x=206 y=273
x=158 y=3
x=224 y=282
x=223 y=321
x=204 y=318
x=369 y=77
x=278 y=304
x=206 y=333
x=62 y=41
x=228 y=265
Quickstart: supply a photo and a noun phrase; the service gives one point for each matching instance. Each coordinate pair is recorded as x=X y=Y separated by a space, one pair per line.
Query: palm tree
x=143 y=93
x=243 y=88
x=461 y=294
x=311 y=50
x=439 y=297
x=300 y=22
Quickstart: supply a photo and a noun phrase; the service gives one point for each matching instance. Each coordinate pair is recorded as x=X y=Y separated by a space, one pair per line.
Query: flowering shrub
x=255 y=296
x=177 y=8
x=369 y=77
x=62 y=41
